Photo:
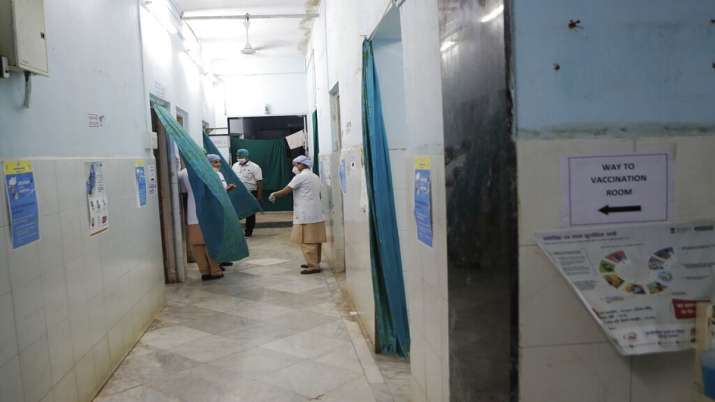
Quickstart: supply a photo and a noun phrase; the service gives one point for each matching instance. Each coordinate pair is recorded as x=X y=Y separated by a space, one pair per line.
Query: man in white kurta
x=251 y=176
x=308 y=218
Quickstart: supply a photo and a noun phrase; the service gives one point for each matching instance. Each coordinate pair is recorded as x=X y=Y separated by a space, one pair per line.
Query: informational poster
x=140 y=180
x=22 y=202
x=97 y=201
x=342 y=175
x=612 y=189
x=423 y=199
x=640 y=283
x=151 y=179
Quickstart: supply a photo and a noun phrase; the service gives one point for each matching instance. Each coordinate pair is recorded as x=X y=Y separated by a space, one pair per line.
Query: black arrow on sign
x=629 y=208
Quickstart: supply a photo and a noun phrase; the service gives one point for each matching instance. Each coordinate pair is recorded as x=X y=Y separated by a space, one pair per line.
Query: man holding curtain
x=308 y=218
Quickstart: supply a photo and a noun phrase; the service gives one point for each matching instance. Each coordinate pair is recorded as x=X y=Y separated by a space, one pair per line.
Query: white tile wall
x=71 y=306
x=565 y=356
x=583 y=373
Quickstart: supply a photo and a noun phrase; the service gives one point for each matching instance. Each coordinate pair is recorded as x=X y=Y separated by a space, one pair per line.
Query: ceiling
x=222 y=40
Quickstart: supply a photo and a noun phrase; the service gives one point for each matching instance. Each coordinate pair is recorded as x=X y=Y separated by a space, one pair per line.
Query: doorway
x=168 y=198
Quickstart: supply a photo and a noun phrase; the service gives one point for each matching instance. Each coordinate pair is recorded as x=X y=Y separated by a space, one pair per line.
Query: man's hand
x=272 y=198
x=231 y=187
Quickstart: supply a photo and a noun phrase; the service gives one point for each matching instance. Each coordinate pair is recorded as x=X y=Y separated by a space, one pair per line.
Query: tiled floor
x=263 y=333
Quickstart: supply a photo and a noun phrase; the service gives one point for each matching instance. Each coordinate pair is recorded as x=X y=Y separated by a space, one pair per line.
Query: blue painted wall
x=635 y=67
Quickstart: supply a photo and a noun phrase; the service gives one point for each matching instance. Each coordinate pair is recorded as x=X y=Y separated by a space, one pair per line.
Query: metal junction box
x=22 y=35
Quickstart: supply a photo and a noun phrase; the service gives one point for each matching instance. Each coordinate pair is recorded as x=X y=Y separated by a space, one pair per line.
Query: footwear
x=226 y=264
x=311 y=271
x=211 y=277
x=247 y=234
x=304 y=266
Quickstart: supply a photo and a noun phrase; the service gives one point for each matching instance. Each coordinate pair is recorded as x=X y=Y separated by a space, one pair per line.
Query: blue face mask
x=295 y=170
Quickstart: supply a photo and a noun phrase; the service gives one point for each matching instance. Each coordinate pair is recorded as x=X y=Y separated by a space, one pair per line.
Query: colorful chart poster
x=140 y=179
x=423 y=199
x=21 y=202
x=97 y=201
x=640 y=283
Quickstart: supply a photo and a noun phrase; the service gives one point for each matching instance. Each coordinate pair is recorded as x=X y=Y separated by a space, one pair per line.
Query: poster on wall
x=140 y=180
x=640 y=283
x=97 y=201
x=423 y=199
x=21 y=202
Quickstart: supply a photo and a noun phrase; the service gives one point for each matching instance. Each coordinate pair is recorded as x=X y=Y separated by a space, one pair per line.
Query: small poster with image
x=97 y=200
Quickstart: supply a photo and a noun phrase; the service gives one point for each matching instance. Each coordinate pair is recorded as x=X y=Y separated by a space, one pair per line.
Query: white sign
x=640 y=283
x=611 y=189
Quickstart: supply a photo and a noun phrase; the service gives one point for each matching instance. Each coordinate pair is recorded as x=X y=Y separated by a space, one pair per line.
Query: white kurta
x=306 y=198
x=191 y=218
x=250 y=174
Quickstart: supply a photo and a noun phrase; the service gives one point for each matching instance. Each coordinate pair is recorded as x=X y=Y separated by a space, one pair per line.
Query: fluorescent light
x=493 y=14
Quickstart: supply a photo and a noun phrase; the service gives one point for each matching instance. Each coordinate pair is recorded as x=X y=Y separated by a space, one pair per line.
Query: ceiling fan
x=247 y=49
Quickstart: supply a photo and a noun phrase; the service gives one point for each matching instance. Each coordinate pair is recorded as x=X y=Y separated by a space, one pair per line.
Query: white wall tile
x=24 y=264
x=29 y=305
x=666 y=377
x=70 y=184
x=102 y=364
x=583 y=373
x=434 y=377
x=542 y=288
x=87 y=380
x=8 y=340
x=61 y=349
x=66 y=389
x=35 y=370
x=693 y=172
x=46 y=185
x=11 y=381
x=4 y=263
x=72 y=234
x=81 y=336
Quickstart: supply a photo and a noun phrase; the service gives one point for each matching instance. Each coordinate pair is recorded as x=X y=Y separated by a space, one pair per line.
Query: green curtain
x=392 y=327
x=218 y=218
x=316 y=144
x=273 y=156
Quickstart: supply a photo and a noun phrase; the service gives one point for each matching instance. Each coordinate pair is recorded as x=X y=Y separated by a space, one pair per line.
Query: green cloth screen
x=273 y=157
x=316 y=146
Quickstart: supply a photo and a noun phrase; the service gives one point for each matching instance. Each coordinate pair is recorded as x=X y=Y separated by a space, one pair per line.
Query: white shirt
x=250 y=174
x=306 y=198
x=191 y=217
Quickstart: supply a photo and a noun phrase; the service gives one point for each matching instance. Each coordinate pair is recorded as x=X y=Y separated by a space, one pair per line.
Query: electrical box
x=22 y=35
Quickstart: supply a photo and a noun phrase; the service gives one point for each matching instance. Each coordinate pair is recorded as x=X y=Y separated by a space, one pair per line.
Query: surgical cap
x=303 y=160
x=242 y=152
x=213 y=157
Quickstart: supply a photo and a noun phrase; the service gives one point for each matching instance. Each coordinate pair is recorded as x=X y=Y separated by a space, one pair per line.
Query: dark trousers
x=251 y=220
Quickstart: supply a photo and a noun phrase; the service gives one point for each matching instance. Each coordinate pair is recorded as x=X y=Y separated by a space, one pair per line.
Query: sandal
x=311 y=271
x=304 y=266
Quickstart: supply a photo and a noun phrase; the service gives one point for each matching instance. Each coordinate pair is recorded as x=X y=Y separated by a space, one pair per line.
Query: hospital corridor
x=357 y=201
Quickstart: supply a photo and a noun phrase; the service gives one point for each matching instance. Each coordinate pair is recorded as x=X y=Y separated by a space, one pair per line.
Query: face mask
x=242 y=161
x=295 y=170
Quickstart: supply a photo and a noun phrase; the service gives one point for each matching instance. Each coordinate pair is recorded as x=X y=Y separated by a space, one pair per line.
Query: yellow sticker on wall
x=17 y=167
x=423 y=163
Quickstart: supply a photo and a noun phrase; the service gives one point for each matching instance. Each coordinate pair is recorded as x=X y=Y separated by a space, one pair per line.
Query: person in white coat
x=308 y=218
